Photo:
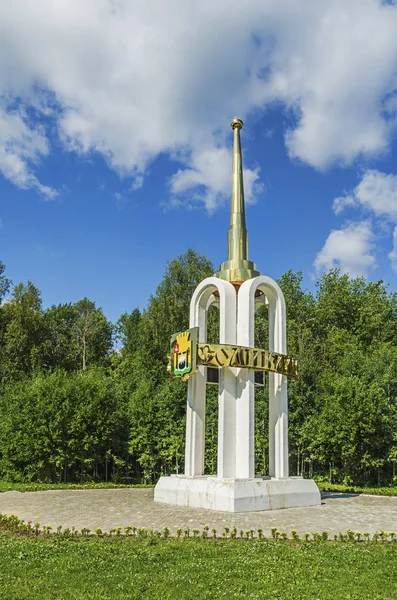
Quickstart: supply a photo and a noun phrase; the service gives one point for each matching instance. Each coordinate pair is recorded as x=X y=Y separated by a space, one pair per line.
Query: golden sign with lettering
x=221 y=355
x=187 y=355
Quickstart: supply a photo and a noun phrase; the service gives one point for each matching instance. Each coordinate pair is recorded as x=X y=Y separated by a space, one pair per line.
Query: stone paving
x=122 y=507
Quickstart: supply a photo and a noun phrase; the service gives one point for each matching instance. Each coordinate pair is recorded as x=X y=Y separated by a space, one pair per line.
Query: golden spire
x=237 y=268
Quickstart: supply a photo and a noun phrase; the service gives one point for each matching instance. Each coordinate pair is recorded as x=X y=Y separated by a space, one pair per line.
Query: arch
x=278 y=399
x=195 y=415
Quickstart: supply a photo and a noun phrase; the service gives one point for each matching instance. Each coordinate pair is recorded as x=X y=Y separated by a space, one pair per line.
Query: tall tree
x=22 y=332
x=127 y=329
x=92 y=333
x=4 y=282
x=61 y=349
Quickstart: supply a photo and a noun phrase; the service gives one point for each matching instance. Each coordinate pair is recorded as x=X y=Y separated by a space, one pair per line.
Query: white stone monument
x=238 y=289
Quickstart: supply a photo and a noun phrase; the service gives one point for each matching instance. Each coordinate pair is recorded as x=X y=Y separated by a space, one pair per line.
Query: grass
x=84 y=567
x=355 y=489
x=47 y=568
x=8 y=486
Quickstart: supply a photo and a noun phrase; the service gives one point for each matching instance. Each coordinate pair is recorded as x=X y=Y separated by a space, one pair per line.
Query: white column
x=226 y=467
x=273 y=411
x=245 y=425
x=280 y=425
x=245 y=403
x=227 y=424
x=196 y=396
x=278 y=401
x=195 y=425
x=278 y=397
x=195 y=414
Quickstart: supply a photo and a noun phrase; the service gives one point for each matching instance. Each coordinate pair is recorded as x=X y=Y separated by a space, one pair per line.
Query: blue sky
x=115 y=145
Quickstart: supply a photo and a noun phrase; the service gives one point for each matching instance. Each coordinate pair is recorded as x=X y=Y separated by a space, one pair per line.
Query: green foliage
x=91 y=332
x=59 y=347
x=127 y=329
x=63 y=426
x=5 y=283
x=343 y=408
x=36 y=341
x=22 y=333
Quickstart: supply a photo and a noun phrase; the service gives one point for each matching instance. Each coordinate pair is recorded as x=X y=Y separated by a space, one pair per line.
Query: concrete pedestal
x=237 y=495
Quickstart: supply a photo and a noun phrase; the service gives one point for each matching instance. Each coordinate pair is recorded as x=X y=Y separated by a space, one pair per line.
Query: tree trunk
x=176 y=462
x=84 y=353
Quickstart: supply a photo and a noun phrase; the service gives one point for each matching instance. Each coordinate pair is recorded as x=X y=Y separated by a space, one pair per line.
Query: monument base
x=237 y=495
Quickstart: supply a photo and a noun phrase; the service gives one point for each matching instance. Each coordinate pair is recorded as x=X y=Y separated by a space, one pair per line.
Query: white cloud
x=376 y=192
x=20 y=147
x=339 y=204
x=137 y=183
x=393 y=253
x=348 y=249
x=132 y=80
x=210 y=171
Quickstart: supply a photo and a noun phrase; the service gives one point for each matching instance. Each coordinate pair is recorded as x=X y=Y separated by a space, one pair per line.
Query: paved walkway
x=113 y=508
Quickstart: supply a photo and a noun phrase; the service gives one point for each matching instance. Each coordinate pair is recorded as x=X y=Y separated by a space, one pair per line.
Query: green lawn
x=355 y=489
x=118 y=568
x=8 y=486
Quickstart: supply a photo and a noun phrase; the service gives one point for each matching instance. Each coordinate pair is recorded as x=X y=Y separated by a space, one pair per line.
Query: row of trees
x=74 y=408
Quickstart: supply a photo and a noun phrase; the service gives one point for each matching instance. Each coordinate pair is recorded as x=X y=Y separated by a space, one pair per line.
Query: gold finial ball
x=236 y=122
